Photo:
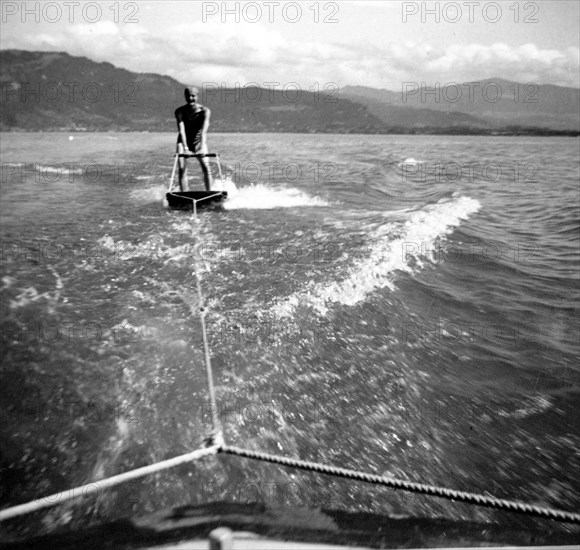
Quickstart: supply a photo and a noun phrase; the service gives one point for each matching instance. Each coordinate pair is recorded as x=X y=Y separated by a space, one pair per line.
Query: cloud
x=240 y=53
x=513 y=63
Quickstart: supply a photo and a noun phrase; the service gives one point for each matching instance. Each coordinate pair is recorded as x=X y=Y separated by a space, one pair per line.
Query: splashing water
x=387 y=252
x=263 y=197
x=256 y=196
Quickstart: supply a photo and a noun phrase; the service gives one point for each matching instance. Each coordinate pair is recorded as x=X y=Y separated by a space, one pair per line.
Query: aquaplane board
x=185 y=199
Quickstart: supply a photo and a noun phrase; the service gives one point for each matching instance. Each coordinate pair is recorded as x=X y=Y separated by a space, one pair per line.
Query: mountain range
x=489 y=103
x=54 y=91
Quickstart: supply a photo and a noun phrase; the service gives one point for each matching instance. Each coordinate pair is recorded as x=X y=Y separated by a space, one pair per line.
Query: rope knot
x=214 y=439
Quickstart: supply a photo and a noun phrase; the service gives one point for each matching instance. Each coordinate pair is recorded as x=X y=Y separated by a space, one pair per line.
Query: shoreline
x=396 y=132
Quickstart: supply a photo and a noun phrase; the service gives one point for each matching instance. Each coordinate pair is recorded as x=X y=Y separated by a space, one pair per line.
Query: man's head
x=191 y=93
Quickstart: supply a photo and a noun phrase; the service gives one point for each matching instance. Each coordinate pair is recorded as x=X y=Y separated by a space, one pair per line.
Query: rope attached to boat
x=217 y=429
x=98 y=486
x=442 y=492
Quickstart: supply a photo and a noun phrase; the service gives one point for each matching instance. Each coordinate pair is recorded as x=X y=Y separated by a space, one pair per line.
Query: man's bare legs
x=182 y=173
x=207 y=179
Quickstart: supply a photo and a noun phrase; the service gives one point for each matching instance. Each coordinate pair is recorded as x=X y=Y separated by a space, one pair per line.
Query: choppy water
x=370 y=307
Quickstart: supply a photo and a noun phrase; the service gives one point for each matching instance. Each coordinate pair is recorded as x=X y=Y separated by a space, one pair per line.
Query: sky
x=313 y=45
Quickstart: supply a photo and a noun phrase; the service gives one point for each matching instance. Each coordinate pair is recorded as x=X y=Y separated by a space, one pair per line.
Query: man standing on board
x=192 y=124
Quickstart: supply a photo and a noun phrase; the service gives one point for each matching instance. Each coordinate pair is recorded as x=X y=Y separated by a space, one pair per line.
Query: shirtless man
x=192 y=124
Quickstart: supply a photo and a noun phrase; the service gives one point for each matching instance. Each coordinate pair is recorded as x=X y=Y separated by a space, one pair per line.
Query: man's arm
x=203 y=140
x=183 y=136
x=181 y=129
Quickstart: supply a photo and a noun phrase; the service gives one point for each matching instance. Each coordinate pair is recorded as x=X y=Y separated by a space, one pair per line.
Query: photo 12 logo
x=272 y=252
x=271 y=92
x=265 y=332
x=275 y=493
x=14 y=332
x=470 y=253
x=462 y=332
x=69 y=91
x=271 y=12
x=69 y=12
x=290 y=172
x=469 y=12
x=263 y=413
x=89 y=412
x=70 y=172
x=473 y=92
x=452 y=171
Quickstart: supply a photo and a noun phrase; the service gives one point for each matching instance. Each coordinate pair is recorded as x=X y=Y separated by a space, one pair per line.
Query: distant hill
x=67 y=88
x=491 y=103
x=384 y=105
x=57 y=91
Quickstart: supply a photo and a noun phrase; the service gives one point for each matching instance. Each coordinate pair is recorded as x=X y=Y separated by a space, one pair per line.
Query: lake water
x=402 y=305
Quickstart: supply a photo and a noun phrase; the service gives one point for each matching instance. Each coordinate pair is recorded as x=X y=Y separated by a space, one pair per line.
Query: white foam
x=263 y=197
x=48 y=168
x=389 y=251
x=7 y=282
x=257 y=197
x=144 y=195
x=532 y=406
x=57 y=169
x=412 y=161
x=225 y=184
x=30 y=294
